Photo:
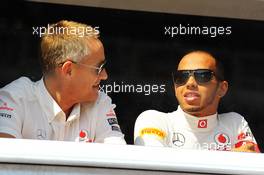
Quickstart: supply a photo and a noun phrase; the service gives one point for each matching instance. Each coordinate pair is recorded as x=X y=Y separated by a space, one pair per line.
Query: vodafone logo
x=202 y=123
x=84 y=136
x=223 y=142
x=222 y=139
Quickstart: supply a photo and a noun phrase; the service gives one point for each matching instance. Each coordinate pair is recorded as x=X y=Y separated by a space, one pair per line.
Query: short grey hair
x=65 y=40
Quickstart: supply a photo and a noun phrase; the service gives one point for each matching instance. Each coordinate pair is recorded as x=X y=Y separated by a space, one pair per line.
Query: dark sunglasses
x=201 y=76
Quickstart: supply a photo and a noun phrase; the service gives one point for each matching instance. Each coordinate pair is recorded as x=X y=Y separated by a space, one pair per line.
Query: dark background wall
x=138 y=52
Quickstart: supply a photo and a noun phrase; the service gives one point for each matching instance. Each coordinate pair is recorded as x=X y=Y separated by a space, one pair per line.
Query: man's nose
x=103 y=75
x=191 y=83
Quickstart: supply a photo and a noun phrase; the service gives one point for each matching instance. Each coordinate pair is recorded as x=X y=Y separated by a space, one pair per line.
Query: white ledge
x=41 y=152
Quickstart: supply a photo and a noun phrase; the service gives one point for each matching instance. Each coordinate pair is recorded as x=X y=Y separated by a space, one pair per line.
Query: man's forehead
x=197 y=60
x=96 y=53
x=94 y=44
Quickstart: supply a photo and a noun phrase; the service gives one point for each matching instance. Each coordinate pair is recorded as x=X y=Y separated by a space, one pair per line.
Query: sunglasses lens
x=203 y=76
x=200 y=75
x=180 y=77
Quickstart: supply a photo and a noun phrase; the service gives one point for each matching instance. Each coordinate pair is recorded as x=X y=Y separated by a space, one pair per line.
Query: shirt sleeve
x=107 y=128
x=10 y=113
x=245 y=136
x=150 y=129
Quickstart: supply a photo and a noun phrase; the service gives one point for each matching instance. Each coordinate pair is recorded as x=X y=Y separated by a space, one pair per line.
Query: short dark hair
x=220 y=72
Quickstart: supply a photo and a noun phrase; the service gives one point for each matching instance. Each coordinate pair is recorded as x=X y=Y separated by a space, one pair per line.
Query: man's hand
x=4 y=135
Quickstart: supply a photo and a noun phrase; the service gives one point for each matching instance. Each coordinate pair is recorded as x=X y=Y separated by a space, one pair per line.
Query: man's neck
x=200 y=113
x=56 y=90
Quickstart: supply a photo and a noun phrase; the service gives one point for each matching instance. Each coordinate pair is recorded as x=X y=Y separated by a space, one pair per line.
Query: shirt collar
x=50 y=106
x=75 y=113
x=198 y=124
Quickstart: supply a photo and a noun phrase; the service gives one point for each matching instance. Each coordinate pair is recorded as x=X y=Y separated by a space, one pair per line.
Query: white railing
x=18 y=152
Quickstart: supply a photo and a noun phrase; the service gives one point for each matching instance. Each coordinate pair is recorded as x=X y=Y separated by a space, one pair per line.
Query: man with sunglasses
x=66 y=103
x=199 y=85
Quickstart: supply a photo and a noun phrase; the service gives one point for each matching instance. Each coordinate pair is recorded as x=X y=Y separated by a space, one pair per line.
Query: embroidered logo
x=223 y=141
x=84 y=136
x=178 y=139
x=3 y=106
x=202 y=123
x=41 y=134
x=111 y=113
x=152 y=131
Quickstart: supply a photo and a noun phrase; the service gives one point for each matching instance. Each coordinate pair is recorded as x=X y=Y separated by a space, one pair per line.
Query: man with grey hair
x=66 y=103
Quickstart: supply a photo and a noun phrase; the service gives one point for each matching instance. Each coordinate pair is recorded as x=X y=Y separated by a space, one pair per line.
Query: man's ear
x=66 y=68
x=222 y=89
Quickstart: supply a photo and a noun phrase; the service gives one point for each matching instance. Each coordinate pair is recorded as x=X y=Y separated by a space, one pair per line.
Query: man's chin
x=94 y=97
x=91 y=98
x=191 y=109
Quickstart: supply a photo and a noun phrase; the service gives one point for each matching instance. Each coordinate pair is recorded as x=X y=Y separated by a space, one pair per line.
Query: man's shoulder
x=22 y=87
x=103 y=102
x=102 y=97
x=152 y=121
x=231 y=118
x=152 y=115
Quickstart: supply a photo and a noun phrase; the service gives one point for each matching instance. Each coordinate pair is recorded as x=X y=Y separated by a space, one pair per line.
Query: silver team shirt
x=183 y=131
x=28 y=111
